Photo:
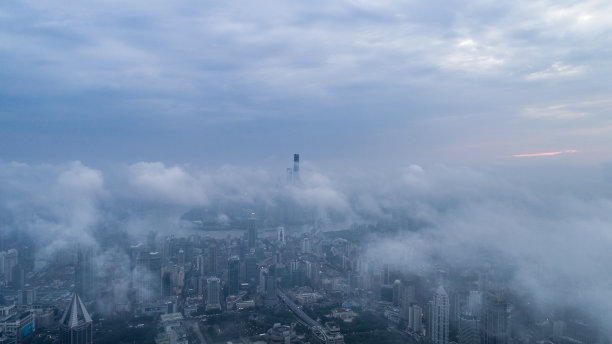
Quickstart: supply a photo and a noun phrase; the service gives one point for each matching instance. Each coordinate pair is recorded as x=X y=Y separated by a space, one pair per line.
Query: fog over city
x=451 y=183
x=549 y=225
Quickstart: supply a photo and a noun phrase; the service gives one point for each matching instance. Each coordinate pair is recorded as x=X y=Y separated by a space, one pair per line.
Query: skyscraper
x=296 y=168
x=281 y=236
x=269 y=289
x=76 y=324
x=306 y=248
x=147 y=276
x=233 y=275
x=252 y=231
x=84 y=273
x=212 y=295
x=469 y=329
x=212 y=258
x=251 y=269
x=495 y=324
x=201 y=265
x=415 y=315
x=10 y=261
x=439 y=317
x=397 y=292
x=155 y=269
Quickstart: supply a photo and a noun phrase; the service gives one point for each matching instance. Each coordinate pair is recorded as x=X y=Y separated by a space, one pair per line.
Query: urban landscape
x=256 y=282
x=305 y=172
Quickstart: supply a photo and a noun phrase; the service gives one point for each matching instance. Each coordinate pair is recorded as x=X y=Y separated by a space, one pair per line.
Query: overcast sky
x=213 y=82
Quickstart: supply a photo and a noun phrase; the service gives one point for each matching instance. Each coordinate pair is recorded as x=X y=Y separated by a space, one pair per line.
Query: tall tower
x=233 y=275
x=76 y=324
x=296 y=168
x=252 y=231
x=439 y=317
x=281 y=236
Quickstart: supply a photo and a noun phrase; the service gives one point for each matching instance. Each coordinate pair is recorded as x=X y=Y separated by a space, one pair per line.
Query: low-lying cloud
x=551 y=225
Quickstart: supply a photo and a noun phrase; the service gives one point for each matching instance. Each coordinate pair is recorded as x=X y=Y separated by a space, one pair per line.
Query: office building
x=296 y=168
x=233 y=275
x=213 y=286
x=469 y=329
x=84 y=273
x=439 y=318
x=212 y=259
x=495 y=318
x=252 y=231
x=280 y=237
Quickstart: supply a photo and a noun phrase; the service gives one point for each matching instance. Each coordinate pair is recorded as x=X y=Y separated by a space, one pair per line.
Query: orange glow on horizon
x=545 y=153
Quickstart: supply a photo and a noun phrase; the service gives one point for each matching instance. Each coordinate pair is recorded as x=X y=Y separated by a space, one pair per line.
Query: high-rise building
x=306 y=248
x=495 y=318
x=201 y=264
x=233 y=275
x=270 y=298
x=10 y=261
x=407 y=298
x=397 y=292
x=84 y=273
x=2 y=256
x=474 y=303
x=213 y=286
x=439 y=318
x=252 y=231
x=76 y=324
x=251 y=269
x=415 y=316
x=155 y=270
x=281 y=236
x=212 y=258
x=296 y=168
x=147 y=276
x=386 y=274
x=469 y=329
x=151 y=241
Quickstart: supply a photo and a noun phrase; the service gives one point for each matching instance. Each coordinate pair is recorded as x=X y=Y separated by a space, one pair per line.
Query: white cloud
x=164 y=184
x=556 y=70
x=561 y=111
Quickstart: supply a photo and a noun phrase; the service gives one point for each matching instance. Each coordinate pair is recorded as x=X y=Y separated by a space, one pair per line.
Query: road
x=297 y=311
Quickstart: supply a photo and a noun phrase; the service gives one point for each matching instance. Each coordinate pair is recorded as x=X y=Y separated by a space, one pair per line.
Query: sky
x=346 y=82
